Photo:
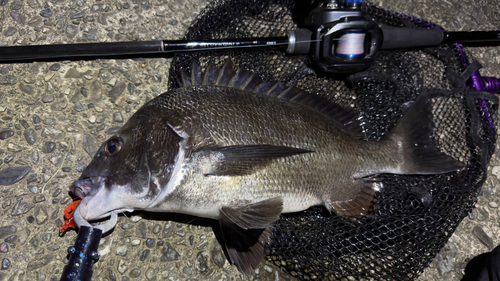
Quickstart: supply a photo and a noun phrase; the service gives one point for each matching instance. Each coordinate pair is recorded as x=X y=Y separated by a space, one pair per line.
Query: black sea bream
x=231 y=147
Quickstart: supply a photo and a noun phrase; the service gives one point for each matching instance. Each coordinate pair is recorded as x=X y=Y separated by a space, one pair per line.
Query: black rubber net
x=415 y=215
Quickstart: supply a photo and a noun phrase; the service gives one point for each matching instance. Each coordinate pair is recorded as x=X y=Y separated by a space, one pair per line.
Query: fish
x=231 y=146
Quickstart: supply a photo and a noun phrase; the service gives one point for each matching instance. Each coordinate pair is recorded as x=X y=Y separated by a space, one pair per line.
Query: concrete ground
x=54 y=116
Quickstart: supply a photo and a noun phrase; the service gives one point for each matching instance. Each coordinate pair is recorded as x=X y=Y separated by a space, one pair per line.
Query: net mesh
x=414 y=215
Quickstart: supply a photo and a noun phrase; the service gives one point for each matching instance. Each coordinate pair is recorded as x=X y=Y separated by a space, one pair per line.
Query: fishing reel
x=340 y=38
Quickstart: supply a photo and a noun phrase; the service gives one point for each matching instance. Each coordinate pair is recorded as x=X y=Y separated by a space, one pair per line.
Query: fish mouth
x=97 y=203
x=100 y=205
x=78 y=191
x=83 y=220
x=87 y=186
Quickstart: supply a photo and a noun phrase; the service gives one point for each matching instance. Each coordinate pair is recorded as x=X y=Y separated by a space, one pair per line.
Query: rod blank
x=129 y=49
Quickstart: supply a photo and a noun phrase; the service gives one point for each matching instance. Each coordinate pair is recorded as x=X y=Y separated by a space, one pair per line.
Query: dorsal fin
x=346 y=119
x=196 y=74
x=209 y=75
x=225 y=74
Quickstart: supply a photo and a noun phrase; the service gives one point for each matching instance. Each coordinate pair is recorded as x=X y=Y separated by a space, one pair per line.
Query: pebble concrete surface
x=55 y=115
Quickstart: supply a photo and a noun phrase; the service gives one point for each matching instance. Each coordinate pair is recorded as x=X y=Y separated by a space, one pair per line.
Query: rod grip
x=404 y=37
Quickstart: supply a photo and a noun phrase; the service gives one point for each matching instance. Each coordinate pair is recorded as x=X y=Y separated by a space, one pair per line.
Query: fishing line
x=351 y=44
x=58 y=170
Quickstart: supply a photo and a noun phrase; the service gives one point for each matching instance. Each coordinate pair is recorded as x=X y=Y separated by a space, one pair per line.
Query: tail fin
x=415 y=132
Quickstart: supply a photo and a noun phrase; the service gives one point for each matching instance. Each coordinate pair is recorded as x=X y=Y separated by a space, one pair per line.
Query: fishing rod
x=350 y=41
x=339 y=37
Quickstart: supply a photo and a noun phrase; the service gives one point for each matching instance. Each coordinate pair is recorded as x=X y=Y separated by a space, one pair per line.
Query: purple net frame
x=476 y=81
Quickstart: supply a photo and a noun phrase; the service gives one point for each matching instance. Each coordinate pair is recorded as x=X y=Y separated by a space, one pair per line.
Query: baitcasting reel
x=341 y=38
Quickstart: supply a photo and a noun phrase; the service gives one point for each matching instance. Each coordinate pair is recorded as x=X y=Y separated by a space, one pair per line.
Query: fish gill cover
x=415 y=214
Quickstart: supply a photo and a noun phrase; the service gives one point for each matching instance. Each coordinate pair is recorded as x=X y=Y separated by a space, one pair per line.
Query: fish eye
x=113 y=147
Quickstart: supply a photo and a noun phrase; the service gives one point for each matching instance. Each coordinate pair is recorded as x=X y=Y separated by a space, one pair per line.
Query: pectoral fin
x=246 y=229
x=246 y=159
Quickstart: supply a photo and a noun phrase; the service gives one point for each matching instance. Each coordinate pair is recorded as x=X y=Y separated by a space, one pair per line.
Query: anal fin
x=246 y=230
x=362 y=203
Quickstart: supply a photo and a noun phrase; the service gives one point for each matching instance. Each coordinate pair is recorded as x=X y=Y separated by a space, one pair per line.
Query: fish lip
x=85 y=186
x=78 y=191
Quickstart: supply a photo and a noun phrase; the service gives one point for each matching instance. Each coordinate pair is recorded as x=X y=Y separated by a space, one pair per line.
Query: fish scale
x=257 y=127
x=263 y=121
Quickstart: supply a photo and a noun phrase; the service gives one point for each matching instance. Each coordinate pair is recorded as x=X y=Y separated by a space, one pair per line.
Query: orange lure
x=69 y=223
